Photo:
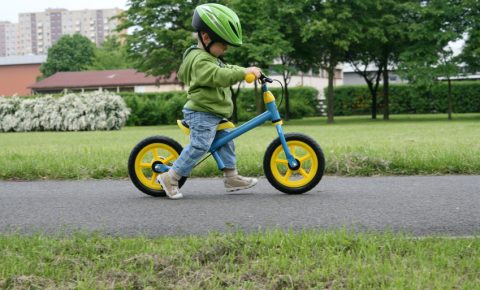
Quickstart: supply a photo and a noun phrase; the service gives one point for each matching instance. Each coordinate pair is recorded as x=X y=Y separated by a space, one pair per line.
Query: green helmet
x=220 y=22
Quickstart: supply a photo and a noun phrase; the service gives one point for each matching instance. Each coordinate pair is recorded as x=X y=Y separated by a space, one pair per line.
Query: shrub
x=72 y=112
x=407 y=99
x=166 y=108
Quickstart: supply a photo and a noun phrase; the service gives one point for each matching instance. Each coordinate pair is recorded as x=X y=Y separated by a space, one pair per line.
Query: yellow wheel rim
x=308 y=164
x=147 y=156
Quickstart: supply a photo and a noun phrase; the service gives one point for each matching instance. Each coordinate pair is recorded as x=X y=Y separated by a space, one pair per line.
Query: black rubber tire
x=294 y=137
x=133 y=155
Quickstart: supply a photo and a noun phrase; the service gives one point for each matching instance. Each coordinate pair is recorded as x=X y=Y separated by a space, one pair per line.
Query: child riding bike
x=209 y=96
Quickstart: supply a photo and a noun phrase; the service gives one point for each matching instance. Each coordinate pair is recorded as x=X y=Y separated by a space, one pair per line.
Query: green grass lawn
x=270 y=260
x=407 y=144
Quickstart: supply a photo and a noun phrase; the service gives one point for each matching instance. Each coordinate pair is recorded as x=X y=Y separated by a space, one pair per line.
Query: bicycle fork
x=269 y=100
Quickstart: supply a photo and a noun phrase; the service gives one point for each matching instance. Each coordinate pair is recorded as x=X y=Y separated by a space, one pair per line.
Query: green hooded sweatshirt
x=208 y=81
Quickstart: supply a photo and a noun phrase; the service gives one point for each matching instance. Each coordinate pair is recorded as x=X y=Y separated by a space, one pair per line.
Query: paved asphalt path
x=417 y=205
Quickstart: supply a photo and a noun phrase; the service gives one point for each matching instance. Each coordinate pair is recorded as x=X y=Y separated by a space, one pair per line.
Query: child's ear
x=205 y=37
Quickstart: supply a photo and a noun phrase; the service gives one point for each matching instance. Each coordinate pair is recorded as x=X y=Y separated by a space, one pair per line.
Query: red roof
x=103 y=78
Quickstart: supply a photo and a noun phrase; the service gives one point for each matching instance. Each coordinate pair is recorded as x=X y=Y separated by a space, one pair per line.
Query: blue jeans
x=203 y=130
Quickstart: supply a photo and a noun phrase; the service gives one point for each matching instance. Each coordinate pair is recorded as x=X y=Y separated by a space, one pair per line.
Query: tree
x=70 y=53
x=395 y=20
x=429 y=57
x=161 y=31
x=365 y=54
x=329 y=33
x=392 y=29
x=448 y=67
x=427 y=73
x=111 y=55
x=471 y=51
x=261 y=41
x=292 y=54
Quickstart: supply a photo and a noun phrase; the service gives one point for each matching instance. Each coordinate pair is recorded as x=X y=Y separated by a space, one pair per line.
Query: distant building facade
x=8 y=38
x=38 y=31
x=17 y=73
x=122 y=80
x=351 y=77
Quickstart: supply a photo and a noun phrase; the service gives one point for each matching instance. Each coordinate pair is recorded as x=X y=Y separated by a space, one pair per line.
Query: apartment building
x=8 y=38
x=37 y=32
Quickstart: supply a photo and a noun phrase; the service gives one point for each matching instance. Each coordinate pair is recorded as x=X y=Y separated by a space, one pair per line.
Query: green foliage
x=303 y=103
x=330 y=34
x=471 y=51
x=160 y=32
x=262 y=40
x=166 y=108
x=111 y=55
x=70 y=53
x=154 y=108
x=407 y=99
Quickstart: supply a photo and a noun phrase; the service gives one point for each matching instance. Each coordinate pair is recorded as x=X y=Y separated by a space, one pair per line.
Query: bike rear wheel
x=145 y=156
x=294 y=180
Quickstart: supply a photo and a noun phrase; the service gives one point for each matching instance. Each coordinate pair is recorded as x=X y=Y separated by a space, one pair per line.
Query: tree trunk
x=373 y=93
x=449 y=99
x=330 y=103
x=386 y=111
x=374 y=104
x=373 y=88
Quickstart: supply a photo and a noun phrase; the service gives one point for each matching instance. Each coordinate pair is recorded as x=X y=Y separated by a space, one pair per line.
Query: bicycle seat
x=224 y=124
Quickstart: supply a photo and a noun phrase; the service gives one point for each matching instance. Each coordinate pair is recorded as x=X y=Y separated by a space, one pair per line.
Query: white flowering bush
x=72 y=112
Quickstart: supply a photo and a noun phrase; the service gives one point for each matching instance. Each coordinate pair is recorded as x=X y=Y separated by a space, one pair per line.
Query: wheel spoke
x=304 y=158
x=145 y=165
x=303 y=172
x=287 y=175
x=168 y=159
x=156 y=155
x=154 y=179
x=281 y=161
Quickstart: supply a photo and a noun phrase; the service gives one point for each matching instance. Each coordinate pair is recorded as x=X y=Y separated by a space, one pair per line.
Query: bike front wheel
x=294 y=180
x=145 y=156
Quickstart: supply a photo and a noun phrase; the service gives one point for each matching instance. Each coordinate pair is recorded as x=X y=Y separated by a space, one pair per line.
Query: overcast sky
x=10 y=11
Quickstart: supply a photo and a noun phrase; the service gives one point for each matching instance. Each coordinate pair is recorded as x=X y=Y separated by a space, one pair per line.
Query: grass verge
x=271 y=260
x=404 y=145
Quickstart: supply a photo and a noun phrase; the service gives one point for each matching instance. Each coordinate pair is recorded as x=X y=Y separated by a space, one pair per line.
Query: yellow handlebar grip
x=249 y=78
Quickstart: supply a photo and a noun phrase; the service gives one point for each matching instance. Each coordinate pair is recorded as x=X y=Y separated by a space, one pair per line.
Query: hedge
x=72 y=112
x=166 y=108
x=406 y=99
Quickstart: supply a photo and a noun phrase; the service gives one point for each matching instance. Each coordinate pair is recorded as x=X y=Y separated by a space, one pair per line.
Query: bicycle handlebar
x=250 y=77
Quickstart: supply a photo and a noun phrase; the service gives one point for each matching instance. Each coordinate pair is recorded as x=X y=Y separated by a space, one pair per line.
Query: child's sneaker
x=170 y=186
x=238 y=182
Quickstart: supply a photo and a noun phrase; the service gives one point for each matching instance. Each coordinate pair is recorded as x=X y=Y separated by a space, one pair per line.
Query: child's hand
x=253 y=70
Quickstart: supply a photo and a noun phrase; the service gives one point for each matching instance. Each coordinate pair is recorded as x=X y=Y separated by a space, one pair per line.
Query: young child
x=209 y=97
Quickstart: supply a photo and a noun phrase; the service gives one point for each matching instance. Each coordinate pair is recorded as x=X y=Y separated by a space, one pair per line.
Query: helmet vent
x=233 y=28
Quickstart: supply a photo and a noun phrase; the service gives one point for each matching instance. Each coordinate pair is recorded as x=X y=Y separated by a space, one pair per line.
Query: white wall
x=154 y=89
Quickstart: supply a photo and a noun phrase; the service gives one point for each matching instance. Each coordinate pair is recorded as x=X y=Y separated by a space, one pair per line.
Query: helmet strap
x=207 y=47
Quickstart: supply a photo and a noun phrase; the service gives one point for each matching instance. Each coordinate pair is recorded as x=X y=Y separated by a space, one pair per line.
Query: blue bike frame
x=271 y=114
